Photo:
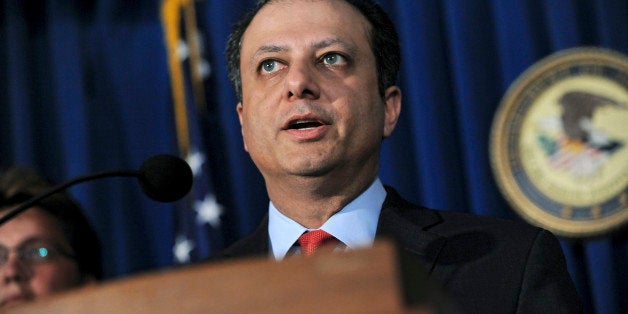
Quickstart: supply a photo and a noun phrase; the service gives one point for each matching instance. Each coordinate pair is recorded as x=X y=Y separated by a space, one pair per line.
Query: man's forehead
x=316 y=24
x=34 y=222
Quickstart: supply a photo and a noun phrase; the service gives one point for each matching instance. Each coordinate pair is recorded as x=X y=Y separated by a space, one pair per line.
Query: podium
x=359 y=281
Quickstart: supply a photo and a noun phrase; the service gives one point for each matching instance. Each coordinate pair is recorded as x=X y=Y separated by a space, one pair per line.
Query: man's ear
x=392 y=107
x=239 y=109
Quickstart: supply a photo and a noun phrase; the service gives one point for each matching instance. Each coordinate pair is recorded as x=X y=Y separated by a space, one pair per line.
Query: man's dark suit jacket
x=487 y=265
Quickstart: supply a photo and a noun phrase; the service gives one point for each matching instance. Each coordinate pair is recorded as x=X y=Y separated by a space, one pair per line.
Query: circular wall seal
x=559 y=142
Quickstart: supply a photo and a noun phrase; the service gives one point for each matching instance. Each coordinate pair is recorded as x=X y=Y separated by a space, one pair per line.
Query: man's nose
x=14 y=269
x=301 y=81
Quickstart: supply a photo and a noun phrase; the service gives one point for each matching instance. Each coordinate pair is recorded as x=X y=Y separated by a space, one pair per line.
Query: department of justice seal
x=559 y=142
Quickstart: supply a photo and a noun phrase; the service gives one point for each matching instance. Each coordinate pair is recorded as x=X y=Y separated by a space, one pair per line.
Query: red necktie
x=311 y=241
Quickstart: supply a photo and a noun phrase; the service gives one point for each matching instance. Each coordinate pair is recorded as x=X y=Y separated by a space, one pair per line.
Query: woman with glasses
x=48 y=248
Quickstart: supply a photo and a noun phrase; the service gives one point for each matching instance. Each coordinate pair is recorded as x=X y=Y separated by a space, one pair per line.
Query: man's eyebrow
x=30 y=240
x=334 y=41
x=324 y=43
x=268 y=49
x=37 y=239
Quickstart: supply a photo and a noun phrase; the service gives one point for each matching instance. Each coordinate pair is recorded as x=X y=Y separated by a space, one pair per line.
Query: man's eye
x=36 y=253
x=270 y=66
x=334 y=59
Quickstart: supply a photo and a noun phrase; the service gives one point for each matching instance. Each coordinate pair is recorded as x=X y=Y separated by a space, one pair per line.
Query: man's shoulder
x=450 y=222
x=460 y=222
x=488 y=264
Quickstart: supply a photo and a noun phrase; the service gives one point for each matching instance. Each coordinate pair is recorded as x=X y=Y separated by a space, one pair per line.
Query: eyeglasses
x=35 y=252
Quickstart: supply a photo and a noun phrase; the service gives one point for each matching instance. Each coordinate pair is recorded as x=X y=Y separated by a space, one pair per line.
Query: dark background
x=85 y=86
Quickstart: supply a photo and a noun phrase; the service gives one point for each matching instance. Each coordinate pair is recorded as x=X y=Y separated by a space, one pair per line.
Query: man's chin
x=311 y=172
x=308 y=165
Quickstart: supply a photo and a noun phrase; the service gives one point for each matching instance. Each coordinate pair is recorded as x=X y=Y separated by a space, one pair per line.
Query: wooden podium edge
x=365 y=280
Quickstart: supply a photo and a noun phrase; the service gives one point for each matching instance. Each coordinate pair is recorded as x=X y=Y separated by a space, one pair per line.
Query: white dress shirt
x=354 y=225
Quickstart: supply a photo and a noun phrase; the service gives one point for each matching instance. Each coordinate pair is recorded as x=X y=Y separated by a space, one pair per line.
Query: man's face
x=311 y=104
x=21 y=278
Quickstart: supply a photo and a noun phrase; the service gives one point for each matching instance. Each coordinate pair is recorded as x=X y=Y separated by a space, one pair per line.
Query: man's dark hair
x=383 y=39
x=19 y=184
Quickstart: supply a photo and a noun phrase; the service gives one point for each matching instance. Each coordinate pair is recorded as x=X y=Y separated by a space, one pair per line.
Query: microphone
x=164 y=178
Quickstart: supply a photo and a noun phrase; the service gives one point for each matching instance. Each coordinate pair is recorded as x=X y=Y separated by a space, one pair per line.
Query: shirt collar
x=354 y=225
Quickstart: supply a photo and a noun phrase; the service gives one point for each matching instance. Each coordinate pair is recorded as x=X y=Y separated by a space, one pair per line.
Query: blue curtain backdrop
x=87 y=86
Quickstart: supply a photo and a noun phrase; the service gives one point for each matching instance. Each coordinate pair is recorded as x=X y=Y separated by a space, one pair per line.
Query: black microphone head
x=165 y=178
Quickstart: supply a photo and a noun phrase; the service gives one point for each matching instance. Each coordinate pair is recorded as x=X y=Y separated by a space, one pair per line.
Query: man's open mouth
x=300 y=125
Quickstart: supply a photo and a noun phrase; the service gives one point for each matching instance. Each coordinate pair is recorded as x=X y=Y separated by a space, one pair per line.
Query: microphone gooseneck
x=164 y=178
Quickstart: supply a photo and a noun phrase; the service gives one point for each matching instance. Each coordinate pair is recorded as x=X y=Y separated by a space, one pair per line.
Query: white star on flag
x=208 y=211
x=183 y=51
x=205 y=68
x=196 y=159
x=182 y=248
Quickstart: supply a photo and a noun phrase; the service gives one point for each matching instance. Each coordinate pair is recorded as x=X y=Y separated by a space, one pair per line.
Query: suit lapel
x=255 y=244
x=406 y=225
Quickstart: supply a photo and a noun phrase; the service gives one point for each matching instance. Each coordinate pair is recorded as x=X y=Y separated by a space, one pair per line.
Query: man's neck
x=310 y=201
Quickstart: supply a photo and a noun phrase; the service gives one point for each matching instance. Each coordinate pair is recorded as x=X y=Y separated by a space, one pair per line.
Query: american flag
x=198 y=218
